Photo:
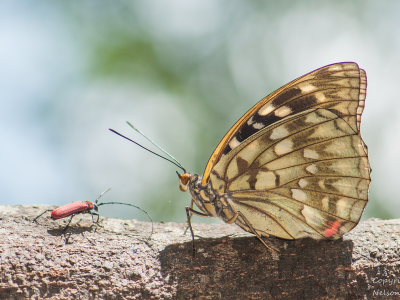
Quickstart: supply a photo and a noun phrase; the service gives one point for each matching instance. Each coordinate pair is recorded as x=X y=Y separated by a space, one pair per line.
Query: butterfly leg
x=236 y=215
x=189 y=213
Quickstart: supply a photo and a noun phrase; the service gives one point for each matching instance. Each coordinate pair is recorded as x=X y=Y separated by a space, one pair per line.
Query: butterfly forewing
x=340 y=88
x=305 y=175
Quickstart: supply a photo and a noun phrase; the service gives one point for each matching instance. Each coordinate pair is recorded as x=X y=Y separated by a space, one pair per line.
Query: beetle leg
x=95 y=214
x=97 y=221
x=65 y=228
x=41 y=214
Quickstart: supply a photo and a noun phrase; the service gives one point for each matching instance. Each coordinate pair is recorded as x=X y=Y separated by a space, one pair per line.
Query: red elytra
x=329 y=231
x=71 y=208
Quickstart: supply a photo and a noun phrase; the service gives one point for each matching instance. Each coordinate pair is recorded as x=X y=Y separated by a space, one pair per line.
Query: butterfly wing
x=306 y=175
x=339 y=87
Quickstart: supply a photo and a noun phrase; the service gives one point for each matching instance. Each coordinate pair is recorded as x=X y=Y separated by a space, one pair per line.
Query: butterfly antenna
x=165 y=152
x=174 y=161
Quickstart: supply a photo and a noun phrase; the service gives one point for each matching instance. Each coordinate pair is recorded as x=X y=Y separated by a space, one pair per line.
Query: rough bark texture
x=119 y=261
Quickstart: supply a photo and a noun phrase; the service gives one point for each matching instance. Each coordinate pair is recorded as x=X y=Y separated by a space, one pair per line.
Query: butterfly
x=294 y=165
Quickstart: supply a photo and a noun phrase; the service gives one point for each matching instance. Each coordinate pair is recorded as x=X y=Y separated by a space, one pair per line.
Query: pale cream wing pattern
x=306 y=175
x=339 y=87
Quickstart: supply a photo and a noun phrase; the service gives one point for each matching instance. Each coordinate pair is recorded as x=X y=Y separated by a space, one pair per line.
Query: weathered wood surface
x=119 y=261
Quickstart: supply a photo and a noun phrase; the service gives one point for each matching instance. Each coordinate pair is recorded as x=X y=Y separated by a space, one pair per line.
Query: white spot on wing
x=306 y=87
x=302 y=182
x=283 y=111
x=325 y=203
x=311 y=154
x=298 y=195
x=234 y=143
x=321 y=184
x=266 y=109
x=341 y=205
x=250 y=121
x=308 y=213
x=312 y=169
x=320 y=96
x=258 y=125
x=278 y=133
x=283 y=147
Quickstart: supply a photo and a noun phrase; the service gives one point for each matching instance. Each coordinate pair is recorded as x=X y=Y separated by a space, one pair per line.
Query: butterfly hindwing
x=305 y=175
x=339 y=87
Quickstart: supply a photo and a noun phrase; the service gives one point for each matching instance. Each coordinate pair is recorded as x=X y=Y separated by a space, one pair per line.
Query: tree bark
x=118 y=260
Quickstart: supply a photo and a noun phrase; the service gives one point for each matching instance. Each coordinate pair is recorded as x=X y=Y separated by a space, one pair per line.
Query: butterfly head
x=184 y=180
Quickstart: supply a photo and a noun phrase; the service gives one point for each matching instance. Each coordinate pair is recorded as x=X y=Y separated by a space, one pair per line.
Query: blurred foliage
x=126 y=40
x=211 y=60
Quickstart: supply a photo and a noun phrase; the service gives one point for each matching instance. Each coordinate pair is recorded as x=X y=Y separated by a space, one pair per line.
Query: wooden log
x=119 y=261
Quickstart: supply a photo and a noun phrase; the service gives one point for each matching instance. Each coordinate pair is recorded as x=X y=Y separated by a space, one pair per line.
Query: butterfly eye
x=183 y=181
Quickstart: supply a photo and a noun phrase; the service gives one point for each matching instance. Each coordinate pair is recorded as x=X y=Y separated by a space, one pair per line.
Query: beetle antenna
x=97 y=200
x=174 y=161
x=132 y=206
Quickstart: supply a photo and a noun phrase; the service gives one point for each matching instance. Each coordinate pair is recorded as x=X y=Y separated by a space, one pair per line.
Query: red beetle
x=84 y=207
x=72 y=208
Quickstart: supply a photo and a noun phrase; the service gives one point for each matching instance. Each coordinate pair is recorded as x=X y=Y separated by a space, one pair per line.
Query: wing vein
x=265 y=213
x=324 y=211
x=294 y=216
x=249 y=168
x=279 y=140
x=297 y=188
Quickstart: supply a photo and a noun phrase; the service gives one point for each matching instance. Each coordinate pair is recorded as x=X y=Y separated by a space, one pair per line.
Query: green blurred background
x=183 y=72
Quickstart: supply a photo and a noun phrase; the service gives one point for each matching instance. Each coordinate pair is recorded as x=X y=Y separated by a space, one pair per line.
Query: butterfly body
x=295 y=164
x=208 y=201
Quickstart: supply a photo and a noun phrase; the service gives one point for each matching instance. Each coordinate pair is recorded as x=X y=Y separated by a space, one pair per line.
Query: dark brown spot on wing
x=285 y=96
x=295 y=106
x=253 y=179
x=242 y=165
